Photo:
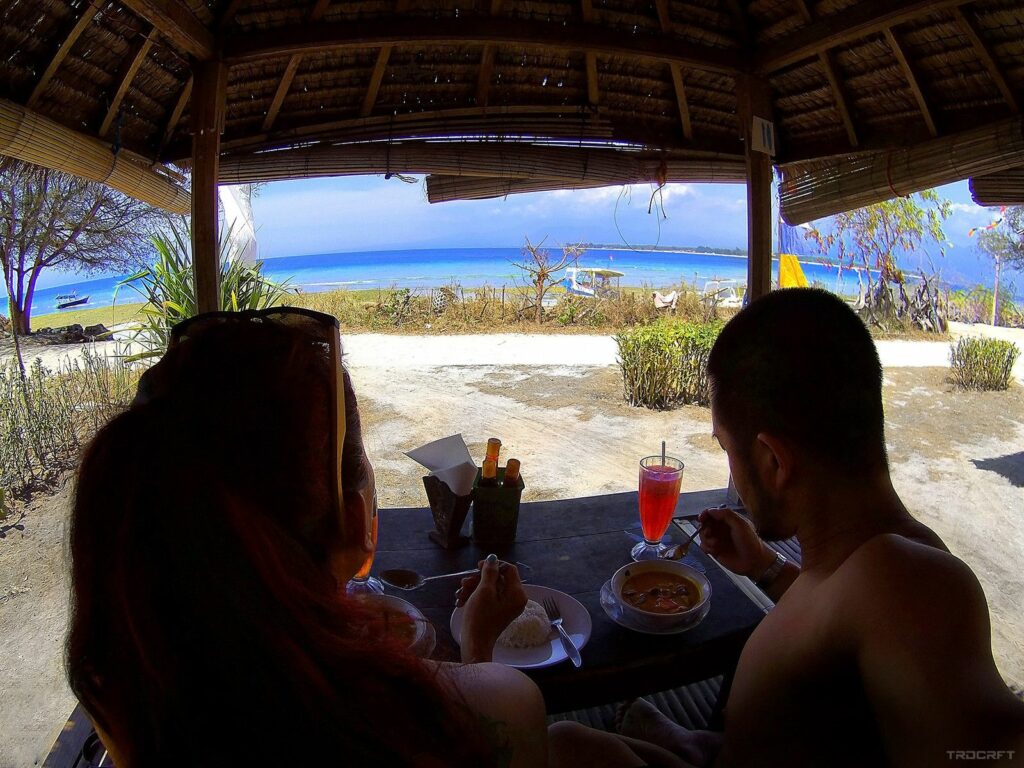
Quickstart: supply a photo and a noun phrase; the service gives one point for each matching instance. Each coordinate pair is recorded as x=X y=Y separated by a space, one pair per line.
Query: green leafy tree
x=874 y=237
x=1003 y=245
x=55 y=221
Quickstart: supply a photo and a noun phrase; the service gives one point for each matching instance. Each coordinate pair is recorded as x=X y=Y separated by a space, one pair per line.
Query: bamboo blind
x=855 y=182
x=35 y=139
x=1003 y=188
x=486 y=160
x=441 y=188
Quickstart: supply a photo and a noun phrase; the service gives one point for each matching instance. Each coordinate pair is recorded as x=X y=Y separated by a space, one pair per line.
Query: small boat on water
x=592 y=281
x=66 y=300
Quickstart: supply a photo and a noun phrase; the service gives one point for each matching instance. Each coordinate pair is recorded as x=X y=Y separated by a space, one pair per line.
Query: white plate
x=614 y=610
x=575 y=621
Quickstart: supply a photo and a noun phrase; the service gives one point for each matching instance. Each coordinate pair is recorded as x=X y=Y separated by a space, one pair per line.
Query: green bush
x=665 y=363
x=983 y=364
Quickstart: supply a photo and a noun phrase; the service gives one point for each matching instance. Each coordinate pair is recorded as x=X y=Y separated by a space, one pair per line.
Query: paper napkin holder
x=449 y=513
x=496 y=512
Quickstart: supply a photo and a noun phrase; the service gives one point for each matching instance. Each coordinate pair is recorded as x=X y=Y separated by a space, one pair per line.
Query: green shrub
x=665 y=363
x=983 y=364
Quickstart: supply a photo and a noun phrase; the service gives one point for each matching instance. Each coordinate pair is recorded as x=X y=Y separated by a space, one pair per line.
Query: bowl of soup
x=395 y=619
x=660 y=595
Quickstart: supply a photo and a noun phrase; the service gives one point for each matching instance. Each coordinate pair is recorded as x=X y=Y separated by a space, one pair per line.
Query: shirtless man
x=878 y=651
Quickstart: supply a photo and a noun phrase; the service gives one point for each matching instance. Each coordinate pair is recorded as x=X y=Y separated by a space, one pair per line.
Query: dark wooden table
x=575 y=545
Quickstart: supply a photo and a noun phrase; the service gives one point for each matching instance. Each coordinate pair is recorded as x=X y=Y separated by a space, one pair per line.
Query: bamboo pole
x=208 y=101
x=30 y=137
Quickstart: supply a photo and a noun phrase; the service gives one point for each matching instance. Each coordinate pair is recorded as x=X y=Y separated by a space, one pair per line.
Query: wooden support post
x=755 y=101
x=208 y=98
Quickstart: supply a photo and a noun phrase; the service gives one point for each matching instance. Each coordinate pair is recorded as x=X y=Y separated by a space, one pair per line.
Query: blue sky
x=371 y=213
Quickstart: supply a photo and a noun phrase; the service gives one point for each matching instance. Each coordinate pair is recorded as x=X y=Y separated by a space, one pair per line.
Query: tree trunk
x=995 y=295
x=19 y=320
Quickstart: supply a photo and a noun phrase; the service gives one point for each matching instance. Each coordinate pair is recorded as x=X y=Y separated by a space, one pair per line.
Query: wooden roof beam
x=232 y=9
x=62 y=53
x=483 y=81
x=827 y=61
x=971 y=31
x=375 y=80
x=283 y=85
x=915 y=86
x=176 y=113
x=139 y=52
x=480 y=31
x=676 y=71
x=860 y=20
x=174 y=20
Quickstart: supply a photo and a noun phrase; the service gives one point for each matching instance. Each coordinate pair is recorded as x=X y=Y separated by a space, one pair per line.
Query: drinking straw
x=663 y=453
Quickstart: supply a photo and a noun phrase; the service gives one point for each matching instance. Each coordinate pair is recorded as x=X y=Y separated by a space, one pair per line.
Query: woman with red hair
x=214 y=526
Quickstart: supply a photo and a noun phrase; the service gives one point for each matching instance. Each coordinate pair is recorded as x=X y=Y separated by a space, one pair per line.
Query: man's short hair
x=799 y=363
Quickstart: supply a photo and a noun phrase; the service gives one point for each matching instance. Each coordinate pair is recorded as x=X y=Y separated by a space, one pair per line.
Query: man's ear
x=774 y=460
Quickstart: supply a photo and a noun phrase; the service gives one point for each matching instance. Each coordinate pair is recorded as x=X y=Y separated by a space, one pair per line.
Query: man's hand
x=492 y=599
x=731 y=539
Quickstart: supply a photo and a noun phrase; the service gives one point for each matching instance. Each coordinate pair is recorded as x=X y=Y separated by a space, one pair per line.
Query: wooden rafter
x=479 y=31
x=971 y=31
x=138 y=55
x=915 y=86
x=58 y=58
x=176 y=113
x=864 y=18
x=483 y=81
x=827 y=62
x=285 y=83
x=375 y=80
x=174 y=20
x=593 y=91
x=282 y=90
x=683 y=104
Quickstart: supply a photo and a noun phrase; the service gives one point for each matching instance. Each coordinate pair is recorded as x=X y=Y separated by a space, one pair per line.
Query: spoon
x=407 y=579
x=678 y=551
x=403 y=578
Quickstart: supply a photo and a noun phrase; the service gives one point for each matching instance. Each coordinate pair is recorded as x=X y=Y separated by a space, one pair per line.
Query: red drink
x=660 y=477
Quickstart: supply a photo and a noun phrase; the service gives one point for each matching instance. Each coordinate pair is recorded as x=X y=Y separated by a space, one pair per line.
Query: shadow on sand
x=1010 y=466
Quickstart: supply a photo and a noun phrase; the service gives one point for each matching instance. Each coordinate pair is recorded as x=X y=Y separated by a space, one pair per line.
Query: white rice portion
x=530 y=629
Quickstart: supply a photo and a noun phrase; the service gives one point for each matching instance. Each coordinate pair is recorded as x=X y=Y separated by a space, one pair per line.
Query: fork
x=555 y=617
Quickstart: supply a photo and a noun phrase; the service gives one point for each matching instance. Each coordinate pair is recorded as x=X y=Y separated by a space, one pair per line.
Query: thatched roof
x=655 y=80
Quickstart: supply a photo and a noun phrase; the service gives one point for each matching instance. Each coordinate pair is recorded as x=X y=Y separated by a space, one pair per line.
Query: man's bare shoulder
x=908 y=580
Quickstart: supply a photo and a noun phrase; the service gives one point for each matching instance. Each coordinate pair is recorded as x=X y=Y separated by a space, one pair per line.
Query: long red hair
x=206 y=624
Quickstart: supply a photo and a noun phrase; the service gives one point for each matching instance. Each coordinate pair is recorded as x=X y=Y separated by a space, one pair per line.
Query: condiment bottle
x=512 y=472
x=493 y=447
x=489 y=473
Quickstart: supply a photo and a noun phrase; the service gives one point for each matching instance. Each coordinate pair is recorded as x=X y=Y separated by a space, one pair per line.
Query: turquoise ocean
x=468 y=267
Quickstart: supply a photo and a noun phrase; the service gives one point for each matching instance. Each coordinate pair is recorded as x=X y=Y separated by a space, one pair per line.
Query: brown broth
x=660 y=592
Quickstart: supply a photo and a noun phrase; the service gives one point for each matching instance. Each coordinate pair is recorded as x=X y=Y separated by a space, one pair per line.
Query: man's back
x=884 y=660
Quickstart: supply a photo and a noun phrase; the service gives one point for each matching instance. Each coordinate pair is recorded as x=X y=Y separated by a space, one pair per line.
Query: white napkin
x=449 y=461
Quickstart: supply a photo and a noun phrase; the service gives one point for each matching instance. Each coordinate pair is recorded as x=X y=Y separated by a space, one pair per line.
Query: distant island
x=674 y=248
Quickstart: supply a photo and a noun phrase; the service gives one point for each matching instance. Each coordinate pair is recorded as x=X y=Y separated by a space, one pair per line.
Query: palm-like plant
x=168 y=287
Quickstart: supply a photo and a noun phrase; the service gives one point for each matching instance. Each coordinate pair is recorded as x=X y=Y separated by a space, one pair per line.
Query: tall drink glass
x=363 y=583
x=660 y=479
